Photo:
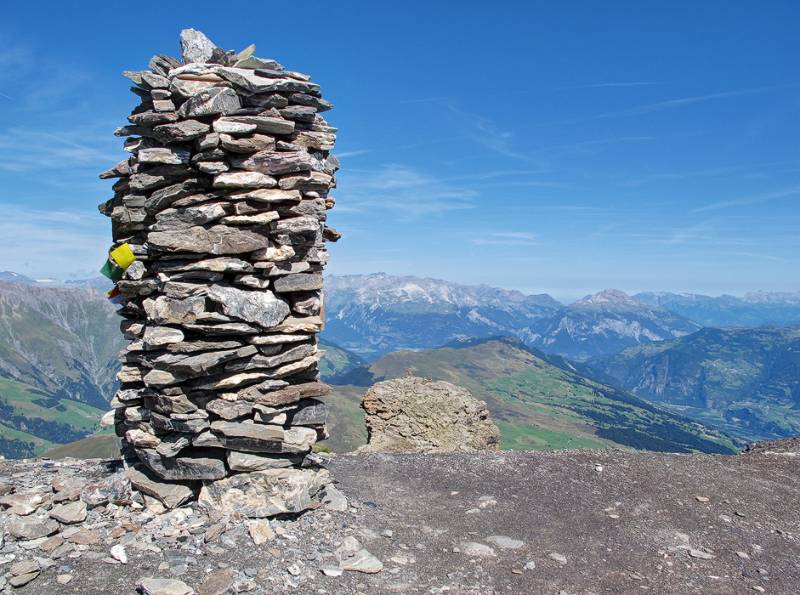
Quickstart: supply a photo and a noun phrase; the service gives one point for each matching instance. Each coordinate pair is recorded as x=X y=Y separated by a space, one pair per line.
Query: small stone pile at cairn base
x=223 y=204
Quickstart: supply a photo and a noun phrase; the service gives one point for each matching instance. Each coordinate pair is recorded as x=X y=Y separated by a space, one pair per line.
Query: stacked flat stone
x=223 y=202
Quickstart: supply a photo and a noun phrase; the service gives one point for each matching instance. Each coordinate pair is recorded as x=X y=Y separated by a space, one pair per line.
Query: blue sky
x=561 y=147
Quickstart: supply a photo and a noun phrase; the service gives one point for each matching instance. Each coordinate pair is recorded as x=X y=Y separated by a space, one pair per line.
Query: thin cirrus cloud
x=612 y=85
x=749 y=200
x=757 y=256
x=412 y=193
x=479 y=129
x=405 y=191
x=356 y=153
x=681 y=101
x=506 y=238
x=485 y=133
x=669 y=104
x=22 y=70
x=23 y=149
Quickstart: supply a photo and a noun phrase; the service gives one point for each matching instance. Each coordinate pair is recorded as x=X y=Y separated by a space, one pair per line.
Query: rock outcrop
x=220 y=215
x=417 y=415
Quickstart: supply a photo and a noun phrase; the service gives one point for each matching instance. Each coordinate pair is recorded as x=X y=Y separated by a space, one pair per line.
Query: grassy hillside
x=346 y=419
x=745 y=381
x=32 y=420
x=337 y=360
x=99 y=446
x=539 y=405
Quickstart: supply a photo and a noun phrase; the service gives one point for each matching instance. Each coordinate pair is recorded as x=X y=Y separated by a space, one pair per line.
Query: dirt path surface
x=563 y=522
x=603 y=522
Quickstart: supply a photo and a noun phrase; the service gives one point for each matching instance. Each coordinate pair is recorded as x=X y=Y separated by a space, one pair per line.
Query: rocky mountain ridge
x=377 y=314
x=606 y=323
x=760 y=308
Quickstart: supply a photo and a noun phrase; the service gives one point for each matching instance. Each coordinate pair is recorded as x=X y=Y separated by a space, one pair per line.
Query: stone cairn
x=223 y=205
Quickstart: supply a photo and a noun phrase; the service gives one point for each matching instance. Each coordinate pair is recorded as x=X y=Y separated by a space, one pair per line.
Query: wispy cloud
x=749 y=200
x=507 y=176
x=756 y=256
x=618 y=84
x=407 y=192
x=54 y=243
x=674 y=103
x=346 y=154
x=682 y=101
x=506 y=238
x=428 y=142
x=571 y=208
x=440 y=99
x=39 y=80
x=24 y=149
x=478 y=128
x=587 y=146
x=486 y=133
x=684 y=175
x=701 y=232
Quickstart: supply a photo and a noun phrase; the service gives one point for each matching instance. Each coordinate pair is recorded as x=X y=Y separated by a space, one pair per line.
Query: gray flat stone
x=69 y=514
x=218 y=240
x=164 y=586
x=171 y=494
x=208 y=102
x=259 y=307
x=31 y=528
x=195 y=46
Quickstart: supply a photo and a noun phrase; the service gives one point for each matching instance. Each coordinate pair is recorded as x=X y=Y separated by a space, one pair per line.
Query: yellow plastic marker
x=123 y=256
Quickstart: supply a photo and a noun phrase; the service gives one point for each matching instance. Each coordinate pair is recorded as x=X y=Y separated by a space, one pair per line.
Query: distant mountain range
x=754 y=309
x=744 y=380
x=59 y=343
x=376 y=314
x=372 y=315
x=605 y=323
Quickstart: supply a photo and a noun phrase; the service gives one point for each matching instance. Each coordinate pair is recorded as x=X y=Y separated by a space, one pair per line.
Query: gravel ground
x=571 y=522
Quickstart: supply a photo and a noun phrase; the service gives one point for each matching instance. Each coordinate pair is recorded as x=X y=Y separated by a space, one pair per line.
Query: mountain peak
x=13 y=277
x=381 y=289
x=609 y=297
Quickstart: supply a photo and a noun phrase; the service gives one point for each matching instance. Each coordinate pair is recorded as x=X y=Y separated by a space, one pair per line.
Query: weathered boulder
x=418 y=415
